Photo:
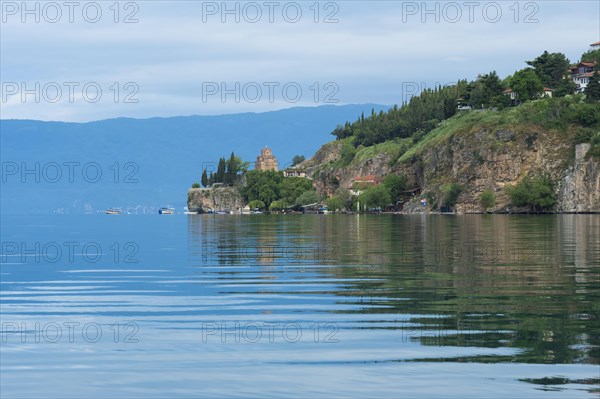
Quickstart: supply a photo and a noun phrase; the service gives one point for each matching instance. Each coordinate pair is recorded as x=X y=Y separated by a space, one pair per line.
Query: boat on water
x=113 y=211
x=166 y=211
x=323 y=210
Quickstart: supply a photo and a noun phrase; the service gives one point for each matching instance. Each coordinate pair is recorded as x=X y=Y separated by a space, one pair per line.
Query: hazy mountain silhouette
x=164 y=155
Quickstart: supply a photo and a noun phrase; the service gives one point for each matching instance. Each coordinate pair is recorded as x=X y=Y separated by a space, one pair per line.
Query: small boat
x=113 y=211
x=323 y=211
x=166 y=211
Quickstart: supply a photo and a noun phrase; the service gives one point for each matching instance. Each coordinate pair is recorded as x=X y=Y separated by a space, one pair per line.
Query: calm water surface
x=289 y=306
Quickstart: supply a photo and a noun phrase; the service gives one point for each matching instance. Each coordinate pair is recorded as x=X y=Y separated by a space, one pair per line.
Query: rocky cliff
x=579 y=189
x=221 y=198
x=479 y=158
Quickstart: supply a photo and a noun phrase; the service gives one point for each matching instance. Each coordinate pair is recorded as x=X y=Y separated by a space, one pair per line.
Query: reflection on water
x=302 y=304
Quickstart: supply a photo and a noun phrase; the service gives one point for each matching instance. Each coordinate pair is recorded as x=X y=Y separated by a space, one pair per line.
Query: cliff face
x=579 y=189
x=328 y=175
x=478 y=159
x=203 y=199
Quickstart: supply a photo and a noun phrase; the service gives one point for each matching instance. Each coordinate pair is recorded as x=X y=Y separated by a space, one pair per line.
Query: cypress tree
x=592 y=91
x=204 y=179
x=220 y=177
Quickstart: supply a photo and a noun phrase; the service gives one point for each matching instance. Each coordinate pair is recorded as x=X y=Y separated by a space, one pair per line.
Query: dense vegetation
x=226 y=173
x=487 y=199
x=432 y=118
x=537 y=193
x=270 y=190
x=423 y=113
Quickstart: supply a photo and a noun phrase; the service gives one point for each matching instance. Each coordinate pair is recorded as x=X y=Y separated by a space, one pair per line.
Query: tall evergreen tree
x=232 y=169
x=211 y=179
x=220 y=176
x=550 y=68
x=592 y=91
x=204 y=179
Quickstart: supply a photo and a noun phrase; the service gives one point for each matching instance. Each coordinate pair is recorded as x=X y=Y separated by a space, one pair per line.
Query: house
x=363 y=182
x=514 y=98
x=292 y=172
x=547 y=92
x=595 y=46
x=581 y=74
x=511 y=93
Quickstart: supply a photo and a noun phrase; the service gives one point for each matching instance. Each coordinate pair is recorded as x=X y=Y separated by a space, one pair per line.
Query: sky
x=84 y=60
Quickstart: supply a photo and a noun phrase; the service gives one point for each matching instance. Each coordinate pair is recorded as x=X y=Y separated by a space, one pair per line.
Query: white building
x=581 y=74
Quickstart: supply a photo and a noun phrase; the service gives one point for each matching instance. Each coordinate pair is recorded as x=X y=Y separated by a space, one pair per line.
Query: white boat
x=166 y=211
x=113 y=211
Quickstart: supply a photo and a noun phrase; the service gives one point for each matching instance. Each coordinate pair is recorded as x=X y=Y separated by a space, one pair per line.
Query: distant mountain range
x=143 y=164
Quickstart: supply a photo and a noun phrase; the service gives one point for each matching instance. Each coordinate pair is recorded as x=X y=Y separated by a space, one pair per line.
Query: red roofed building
x=581 y=74
x=595 y=46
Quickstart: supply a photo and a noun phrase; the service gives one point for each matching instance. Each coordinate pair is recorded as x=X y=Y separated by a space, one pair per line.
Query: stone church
x=266 y=160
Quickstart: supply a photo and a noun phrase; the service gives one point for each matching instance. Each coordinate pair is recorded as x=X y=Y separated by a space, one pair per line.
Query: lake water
x=300 y=305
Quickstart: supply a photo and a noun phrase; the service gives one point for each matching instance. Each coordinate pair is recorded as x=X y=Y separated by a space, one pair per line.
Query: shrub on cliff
x=450 y=193
x=595 y=149
x=537 y=193
x=396 y=184
x=196 y=185
x=487 y=200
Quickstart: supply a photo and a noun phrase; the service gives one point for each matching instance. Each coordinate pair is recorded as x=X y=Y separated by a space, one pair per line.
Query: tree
x=396 y=184
x=535 y=193
x=591 y=56
x=291 y=188
x=335 y=203
x=256 y=204
x=242 y=166
x=278 y=205
x=204 y=179
x=297 y=159
x=346 y=196
x=231 y=169
x=526 y=84
x=592 y=91
x=486 y=91
x=307 y=198
x=263 y=186
x=450 y=193
x=195 y=185
x=375 y=197
x=211 y=179
x=550 y=68
x=564 y=87
x=220 y=176
x=487 y=200
x=417 y=117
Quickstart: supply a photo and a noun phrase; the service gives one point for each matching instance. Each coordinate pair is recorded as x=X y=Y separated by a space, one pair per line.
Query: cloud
x=371 y=51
